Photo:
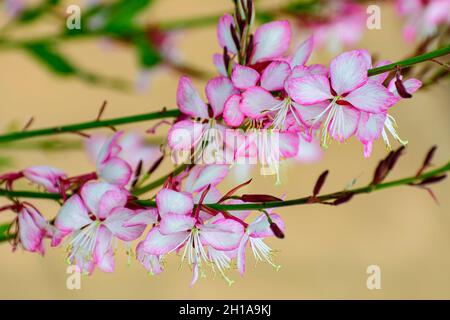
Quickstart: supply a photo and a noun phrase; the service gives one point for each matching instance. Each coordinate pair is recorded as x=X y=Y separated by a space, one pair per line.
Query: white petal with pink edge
x=218 y=90
x=224 y=234
x=232 y=114
x=174 y=223
x=189 y=100
x=73 y=215
x=348 y=71
x=184 y=134
x=344 y=123
x=93 y=192
x=303 y=52
x=170 y=201
x=255 y=101
x=271 y=40
x=224 y=33
x=158 y=244
x=115 y=222
x=310 y=89
x=372 y=97
x=274 y=75
x=244 y=77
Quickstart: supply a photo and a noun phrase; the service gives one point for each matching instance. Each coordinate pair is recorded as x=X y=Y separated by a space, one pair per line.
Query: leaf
x=47 y=55
x=30 y=14
x=147 y=53
x=122 y=13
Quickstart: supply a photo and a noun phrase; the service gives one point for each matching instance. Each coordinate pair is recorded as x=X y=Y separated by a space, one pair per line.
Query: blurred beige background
x=326 y=250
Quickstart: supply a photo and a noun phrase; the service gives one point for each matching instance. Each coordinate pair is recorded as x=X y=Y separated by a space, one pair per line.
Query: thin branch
x=89 y=125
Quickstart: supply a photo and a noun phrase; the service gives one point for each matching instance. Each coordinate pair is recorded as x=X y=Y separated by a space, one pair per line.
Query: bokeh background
x=326 y=250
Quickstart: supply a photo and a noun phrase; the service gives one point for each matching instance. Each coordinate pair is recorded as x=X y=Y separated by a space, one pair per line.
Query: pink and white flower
x=254 y=235
x=338 y=101
x=202 y=130
x=95 y=218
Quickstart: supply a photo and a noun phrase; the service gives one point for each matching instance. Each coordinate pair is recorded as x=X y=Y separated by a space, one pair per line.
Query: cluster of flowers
x=259 y=89
x=102 y=211
x=274 y=93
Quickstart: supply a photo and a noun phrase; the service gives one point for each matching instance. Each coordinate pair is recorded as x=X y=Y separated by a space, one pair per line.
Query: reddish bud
x=276 y=230
x=259 y=198
x=319 y=183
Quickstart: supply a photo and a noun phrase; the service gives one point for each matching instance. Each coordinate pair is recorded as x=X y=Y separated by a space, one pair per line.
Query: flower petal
x=116 y=171
x=224 y=33
x=288 y=144
x=241 y=254
x=174 y=223
x=115 y=223
x=219 y=64
x=344 y=123
x=309 y=114
x=310 y=89
x=271 y=40
x=188 y=99
x=206 y=175
x=223 y=234
x=348 y=71
x=170 y=201
x=32 y=229
x=103 y=252
x=93 y=192
x=260 y=228
x=142 y=217
x=232 y=114
x=244 y=77
x=303 y=52
x=73 y=215
x=184 y=135
x=111 y=199
x=255 y=101
x=158 y=244
x=218 y=90
x=274 y=75
x=371 y=97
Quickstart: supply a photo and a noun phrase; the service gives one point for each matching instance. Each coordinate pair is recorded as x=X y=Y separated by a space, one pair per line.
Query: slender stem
x=89 y=125
x=243 y=206
x=174 y=112
x=411 y=61
x=253 y=206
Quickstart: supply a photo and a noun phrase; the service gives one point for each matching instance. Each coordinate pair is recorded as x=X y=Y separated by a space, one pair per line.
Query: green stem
x=242 y=206
x=89 y=125
x=410 y=61
x=253 y=206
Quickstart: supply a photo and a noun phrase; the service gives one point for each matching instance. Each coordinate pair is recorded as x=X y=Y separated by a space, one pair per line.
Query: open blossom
x=201 y=130
x=94 y=218
x=338 y=101
x=254 y=236
x=373 y=125
x=423 y=17
x=181 y=229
